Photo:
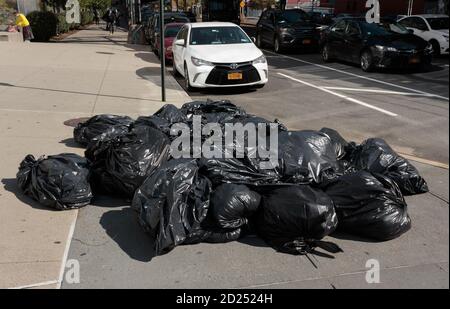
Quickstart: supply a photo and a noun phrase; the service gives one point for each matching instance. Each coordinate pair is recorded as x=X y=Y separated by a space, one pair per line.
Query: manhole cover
x=75 y=122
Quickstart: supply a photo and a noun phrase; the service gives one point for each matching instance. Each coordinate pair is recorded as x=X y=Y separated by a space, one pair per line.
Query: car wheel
x=436 y=48
x=326 y=53
x=187 y=83
x=366 y=61
x=276 y=45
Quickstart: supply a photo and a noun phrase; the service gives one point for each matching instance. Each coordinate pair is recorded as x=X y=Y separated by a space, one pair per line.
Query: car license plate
x=235 y=76
x=414 y=60
x=306 y=41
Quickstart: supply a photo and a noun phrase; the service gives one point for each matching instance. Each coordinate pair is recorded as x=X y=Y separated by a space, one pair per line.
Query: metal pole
x=139 y=11
x=162 y=51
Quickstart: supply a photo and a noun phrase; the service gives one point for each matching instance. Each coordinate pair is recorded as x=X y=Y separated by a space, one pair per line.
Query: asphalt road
x=409 y=109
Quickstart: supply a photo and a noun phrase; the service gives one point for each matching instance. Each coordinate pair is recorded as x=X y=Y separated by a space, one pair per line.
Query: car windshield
x=218 y=35
x=292 y=16
x=440 y=23
x=172 y=31
x=385 y=28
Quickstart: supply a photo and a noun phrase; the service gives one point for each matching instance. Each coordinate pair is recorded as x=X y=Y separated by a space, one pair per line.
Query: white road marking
x=360 y=76
x=378 y=91
x=341 y=96
x=66 y=250
x=34 y=285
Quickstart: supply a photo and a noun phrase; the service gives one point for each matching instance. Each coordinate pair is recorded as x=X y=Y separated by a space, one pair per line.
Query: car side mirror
x=253 y=39
x=180 y=42
x=410 y=31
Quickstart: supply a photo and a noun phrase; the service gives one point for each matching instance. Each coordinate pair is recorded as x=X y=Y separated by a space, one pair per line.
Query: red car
x=170 y=32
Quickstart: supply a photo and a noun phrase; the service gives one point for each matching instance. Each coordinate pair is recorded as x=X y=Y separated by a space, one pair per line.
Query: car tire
x=326 y=53
x=276 y=45
x=436 y=47
x=187 y=83
x=366 y=61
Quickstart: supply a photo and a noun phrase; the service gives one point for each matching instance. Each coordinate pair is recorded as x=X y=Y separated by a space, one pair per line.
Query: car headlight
x=386 y=48
x=169 y=48
x=445 y=37
x=199 y=62
x=260 y=59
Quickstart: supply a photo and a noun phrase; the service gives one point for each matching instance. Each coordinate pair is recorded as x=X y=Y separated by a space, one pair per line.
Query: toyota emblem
x=234 y=66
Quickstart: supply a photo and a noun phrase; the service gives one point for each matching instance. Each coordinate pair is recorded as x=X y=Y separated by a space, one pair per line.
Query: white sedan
x=218 y=54
x=431 y=28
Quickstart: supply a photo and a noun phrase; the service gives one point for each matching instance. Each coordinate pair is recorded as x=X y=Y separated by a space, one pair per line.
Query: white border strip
x=66 y=250
x=34 y=285
x=341 y=96
x=379 y=91
x=359 y=76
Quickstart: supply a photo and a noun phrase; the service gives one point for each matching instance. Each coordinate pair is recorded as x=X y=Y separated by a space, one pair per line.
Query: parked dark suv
x=286 y=29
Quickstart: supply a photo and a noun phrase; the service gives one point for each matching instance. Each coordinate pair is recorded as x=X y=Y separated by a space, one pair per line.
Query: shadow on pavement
x=122 y=226
x=103 y=200
x=346 y=236
x=10 y=185
x=253 y=240
x=70 y=142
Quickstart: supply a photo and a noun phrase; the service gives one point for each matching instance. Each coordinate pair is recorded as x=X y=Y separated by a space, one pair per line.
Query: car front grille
x=219 y=75
x=304 y=33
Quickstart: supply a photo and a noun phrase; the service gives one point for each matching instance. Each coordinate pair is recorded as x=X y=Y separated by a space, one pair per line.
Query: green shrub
x=63 y=26
x=86 y=17
x=43 y=24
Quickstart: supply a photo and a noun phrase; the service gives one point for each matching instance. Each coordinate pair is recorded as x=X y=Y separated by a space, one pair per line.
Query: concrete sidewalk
x=41 y=87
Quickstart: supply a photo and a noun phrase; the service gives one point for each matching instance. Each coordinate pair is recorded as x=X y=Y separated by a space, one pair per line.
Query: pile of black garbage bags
x=321 y=184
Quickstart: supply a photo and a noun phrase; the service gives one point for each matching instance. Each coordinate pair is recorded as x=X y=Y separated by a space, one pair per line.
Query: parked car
x=169 y=17
x=218 y=54
x=320 y=18
x=286 y=29
x=432 y=28
x=170 y=32
x=192 y=17
x=372 y=45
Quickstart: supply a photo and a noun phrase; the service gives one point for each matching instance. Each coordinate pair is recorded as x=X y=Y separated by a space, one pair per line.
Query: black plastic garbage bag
x=59 y=181
x=340 y=145
x=237 y=171
x=307 y=157
x=163 y=119
x=369 y=205
x=292 y=217
x=232 y=205
x=210 y=106
x=85 y=132
x=122 y=163
x=376 y=156
x=213 y=111
x=172 y=203
x=213 y=235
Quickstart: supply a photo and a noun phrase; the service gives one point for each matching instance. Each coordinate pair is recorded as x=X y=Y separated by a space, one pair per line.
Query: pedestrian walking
x=112 y=15
x=96 y=16
x=22 y=22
